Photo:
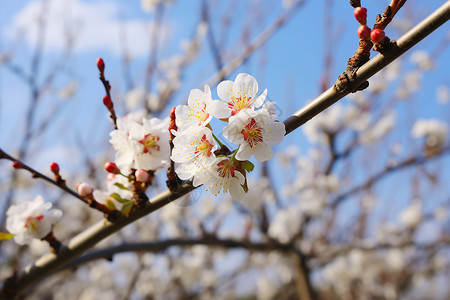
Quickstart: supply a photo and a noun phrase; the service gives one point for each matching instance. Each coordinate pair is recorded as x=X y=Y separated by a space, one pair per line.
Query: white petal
x=236 y=190
x=245 y=152
x=225 y=90
x=219 y=109
x=277 y=132
x=260 y=99
x=247 y=84
x=262 y=152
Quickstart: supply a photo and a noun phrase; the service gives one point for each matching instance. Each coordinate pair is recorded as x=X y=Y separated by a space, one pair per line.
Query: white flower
x=223 y=175
x=423 y=60
x=200 y=109
x=240 y=94
x=411 y=216
x=254 y=131
x=31 y=219
x=434 y=131
x=141 y=146
x=194 y=150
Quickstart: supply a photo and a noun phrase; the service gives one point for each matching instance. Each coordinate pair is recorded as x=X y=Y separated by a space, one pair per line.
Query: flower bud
x=112 y=168
x=142 y=175
x=17 y=164
x=108 y=103
x=54 y=167
x=100 y=65
x=84 y=190
x=364 y=32
x=360 y=14
x=377 y=35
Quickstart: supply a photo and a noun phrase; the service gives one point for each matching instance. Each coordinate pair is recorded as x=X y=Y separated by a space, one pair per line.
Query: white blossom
x=141 y=146
x=411 y=216
x=223 y=175
x=434 y=131
x=194 y=150
x=200 y=109
x=254 y=130
x=31 y=219
x=423 y=60
x=240 y=94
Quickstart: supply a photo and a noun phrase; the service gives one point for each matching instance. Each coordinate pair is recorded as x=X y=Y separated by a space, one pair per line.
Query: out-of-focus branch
x=257 y=43
x=36 y=174
x=410 y=162
x=79 y=244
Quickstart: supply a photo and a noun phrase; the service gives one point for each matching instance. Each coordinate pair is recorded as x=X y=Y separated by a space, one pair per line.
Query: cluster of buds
x=364 y=32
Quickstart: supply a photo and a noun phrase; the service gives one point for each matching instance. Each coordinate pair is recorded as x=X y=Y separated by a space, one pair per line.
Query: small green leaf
x=245 y=186
x=127 y=207
x=110 y=204
x=118 y=198
x=248 y=166
x=120 y=186
x=4 y=236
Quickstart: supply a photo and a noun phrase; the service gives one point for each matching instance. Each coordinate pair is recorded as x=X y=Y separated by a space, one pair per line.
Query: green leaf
x=118 y=198
x=126 y=208
x=120 y=186
x=110 y=204
x=245 y=186
x=248 y=166
x=4 y=236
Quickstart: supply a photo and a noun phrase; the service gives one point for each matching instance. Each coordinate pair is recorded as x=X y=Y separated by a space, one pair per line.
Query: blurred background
x=354 y=204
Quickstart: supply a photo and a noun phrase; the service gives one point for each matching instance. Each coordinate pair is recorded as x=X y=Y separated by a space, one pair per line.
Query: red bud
x=100 y=65
x=17 y=165
x=112 y=168
x=54 y=167
x=108 y=103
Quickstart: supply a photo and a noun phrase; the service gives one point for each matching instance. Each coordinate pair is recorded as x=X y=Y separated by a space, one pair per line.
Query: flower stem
x=217 y=140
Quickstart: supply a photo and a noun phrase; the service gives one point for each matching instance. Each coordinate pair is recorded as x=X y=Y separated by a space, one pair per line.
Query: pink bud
x=377 y=35
x=172 y=113
x=100 y=65
x=107 y=101
x=364 y=32
x=54 y=167
x=84 y=189
x=142 y=175
x=112 y=168
x=360 y=14
x=17 y=164
x=110 y=177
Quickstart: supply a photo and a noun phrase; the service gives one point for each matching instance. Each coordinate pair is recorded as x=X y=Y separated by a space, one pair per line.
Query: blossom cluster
x=251 y=126
x=31 y=220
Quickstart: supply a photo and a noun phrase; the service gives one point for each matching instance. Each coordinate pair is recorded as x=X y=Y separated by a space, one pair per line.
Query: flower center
x=225 y=169
x=238 y=104
x=252 y=133
x=150 y=142
x=200 y=114
x=32 y=222
x=204 y=146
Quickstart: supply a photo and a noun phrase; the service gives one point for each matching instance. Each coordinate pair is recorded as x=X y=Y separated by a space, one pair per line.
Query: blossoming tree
x=213 y=195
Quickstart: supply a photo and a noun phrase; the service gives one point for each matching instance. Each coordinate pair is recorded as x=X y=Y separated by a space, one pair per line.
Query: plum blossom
x=31 y=219
x=434 y=131
x=254 y=131
x=240 y=94
x=194 y=150
x=141 y=146
x=222 y=174
x=200 y=109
